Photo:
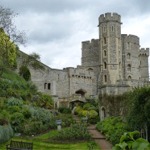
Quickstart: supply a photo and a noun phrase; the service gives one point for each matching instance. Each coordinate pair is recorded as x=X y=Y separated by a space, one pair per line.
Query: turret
x=143 y=58
x=110 y=47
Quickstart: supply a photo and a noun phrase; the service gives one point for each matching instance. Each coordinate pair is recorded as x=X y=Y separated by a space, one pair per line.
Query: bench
x=19 y=145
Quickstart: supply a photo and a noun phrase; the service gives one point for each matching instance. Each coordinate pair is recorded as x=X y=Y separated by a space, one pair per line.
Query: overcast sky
x=56 y=28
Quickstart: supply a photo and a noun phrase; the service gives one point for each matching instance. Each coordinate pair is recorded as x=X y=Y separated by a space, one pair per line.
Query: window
x=112 y=28
x=49 y=86
x=105 y=78
x=128 y=56
x=105 y=40
x=105 y=53
x=105 y=65
x=129 y=67
x=129 y=78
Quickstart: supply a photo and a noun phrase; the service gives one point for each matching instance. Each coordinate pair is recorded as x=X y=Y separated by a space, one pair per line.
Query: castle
x=112 y=64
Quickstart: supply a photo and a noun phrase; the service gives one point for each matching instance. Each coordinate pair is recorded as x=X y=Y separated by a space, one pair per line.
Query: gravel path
x=99 y=138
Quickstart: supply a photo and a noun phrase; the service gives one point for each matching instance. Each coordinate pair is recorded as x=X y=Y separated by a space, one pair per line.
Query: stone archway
x=102 y=113
x=81 y=92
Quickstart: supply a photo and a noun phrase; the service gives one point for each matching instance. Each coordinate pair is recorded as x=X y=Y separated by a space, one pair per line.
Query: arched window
x=129 y=67
x=105 y=41
x=105 y=53
x=105 y=65
x=129 y=77
x=128 y=56
x=119 y=65
x=105 y=78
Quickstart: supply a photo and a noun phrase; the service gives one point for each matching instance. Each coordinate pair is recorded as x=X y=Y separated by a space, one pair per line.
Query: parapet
x=93 y=42
x=130 y=38
x=109 y=17
x=144 y=51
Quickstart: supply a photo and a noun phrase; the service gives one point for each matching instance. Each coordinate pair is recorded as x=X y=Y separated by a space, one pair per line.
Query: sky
x=56 y=28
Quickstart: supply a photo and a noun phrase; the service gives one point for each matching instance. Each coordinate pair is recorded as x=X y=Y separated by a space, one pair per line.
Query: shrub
x=17 y=120
x=6 y=132
x=132 y=141
x=25 y=73
x=75 y=132
x=64 y=110
x=14 y=102
x=67 y=119
x=113 y=128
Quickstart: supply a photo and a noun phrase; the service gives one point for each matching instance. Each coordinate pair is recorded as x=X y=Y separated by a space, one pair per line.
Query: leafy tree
x=138 y=112
x=7 y=50
x=6 y=23
x=9 y=37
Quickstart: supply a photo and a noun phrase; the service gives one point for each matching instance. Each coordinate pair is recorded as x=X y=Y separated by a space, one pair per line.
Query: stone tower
x=143 y=67
x=110 y=48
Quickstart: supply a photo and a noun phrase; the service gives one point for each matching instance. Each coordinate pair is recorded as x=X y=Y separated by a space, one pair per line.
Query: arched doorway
x=81 y=92
x=102 y=113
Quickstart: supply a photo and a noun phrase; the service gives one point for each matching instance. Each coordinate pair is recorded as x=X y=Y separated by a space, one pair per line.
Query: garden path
x=99 y=138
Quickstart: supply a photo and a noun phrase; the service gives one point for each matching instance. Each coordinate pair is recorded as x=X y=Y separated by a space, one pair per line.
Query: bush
x=113 y=128
x=25 y=73
x=17 y=120
x=64 y=110
x=67 y=119
x=132 y=141
x=14 y=102
x=75 y=132
x=6 y=132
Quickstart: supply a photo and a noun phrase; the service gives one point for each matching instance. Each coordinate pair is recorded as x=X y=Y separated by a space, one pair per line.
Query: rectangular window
x=49 y=86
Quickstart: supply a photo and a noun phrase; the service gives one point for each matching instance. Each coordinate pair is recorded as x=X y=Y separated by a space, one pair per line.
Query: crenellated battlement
x=144 y=51
x=93 y=42
x=109 y=17
x=130 y=38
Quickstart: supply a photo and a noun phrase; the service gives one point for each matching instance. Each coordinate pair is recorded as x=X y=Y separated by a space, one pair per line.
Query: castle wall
x=130 y=57
x=143 y=58
x=81 y=79
x=90 y=53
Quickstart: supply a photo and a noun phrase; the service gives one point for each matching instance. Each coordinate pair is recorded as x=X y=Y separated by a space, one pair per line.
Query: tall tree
x=7 y=50
x=7 y=24
x=9 y=37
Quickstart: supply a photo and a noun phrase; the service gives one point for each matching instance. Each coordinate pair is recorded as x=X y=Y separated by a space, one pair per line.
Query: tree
x=9 y=37
x=7 y=24
x=7 y=52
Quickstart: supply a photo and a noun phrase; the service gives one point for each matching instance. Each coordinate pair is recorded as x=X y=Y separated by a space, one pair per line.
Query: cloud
x=56 y=28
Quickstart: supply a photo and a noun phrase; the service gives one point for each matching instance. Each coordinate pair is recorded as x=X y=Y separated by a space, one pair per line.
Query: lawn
x=40 y=143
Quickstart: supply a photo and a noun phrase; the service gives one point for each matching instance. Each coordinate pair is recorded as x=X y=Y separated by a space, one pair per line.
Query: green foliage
x=44 y=101
x=12 y=85
x=25 y=73
x=6 y=132
x=67 y=119
x=89 y=111
x=113 y=128
x=75 y=132
x=132 y=141
x=138 y=103
x=14 y=102
x=7 y=50
x=64 y=110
